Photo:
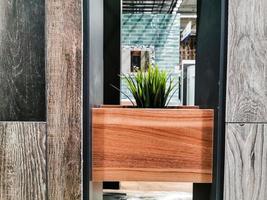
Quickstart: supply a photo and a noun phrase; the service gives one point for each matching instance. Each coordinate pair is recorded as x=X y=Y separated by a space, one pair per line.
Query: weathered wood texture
x=246 y=101
x=246 y=162
x=152 y=144
x=22 y=60
x=247 y=61
x=22 y=161
x=64 y=98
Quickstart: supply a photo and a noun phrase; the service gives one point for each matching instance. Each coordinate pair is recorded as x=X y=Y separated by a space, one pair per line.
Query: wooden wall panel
x=246 y=101
x=247 y=61
x=64 y=98
x=22 y=60
x=246 y=162
x=22 y=161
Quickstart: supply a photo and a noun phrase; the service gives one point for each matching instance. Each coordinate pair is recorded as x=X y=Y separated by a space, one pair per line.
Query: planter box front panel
x=152 y=144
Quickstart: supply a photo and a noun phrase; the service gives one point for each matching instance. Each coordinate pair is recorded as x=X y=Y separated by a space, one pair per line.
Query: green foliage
x=151 y=89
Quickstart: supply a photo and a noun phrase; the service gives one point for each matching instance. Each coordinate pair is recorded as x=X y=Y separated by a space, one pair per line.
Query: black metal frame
x=217 y=189
x=151 y=6
x=220 y=142
x=87 y=141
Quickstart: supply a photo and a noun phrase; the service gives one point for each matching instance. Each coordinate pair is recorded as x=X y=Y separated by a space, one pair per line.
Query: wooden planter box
x=131 y=144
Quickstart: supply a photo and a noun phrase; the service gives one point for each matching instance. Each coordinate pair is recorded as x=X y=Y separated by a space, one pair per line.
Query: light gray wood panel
x=246 y=162
x=247 y=61
x=22 y=60
x=64 y=98
x=96 y=51
x=22 y=161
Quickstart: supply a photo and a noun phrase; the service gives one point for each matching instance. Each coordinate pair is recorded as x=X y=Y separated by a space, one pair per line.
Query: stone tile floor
x=150 y=191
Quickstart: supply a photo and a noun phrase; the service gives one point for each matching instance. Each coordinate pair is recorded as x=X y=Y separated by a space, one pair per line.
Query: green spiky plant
x=153 y=88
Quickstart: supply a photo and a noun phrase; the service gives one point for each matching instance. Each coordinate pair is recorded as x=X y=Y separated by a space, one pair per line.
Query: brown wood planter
x=131 y=144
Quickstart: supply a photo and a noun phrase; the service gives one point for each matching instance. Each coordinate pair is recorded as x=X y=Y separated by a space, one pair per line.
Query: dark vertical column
x=87 y=145
x=22 y=61
x=210 y=67
x=208 y=53
x=112 y=50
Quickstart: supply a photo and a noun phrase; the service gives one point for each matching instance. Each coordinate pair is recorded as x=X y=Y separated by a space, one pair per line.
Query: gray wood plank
x=22 y=61
x=247 y=61
x=246 y=162
x=64 y=98
x=22 y=161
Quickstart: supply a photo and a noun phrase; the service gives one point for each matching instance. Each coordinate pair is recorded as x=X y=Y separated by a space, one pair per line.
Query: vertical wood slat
x=22 y=60
x=64 y=98
x=22 y=161
x=247 y=61
x=246 y=101
x=246 y=162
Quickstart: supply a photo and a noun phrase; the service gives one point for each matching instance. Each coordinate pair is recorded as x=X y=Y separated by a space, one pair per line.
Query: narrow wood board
x=22 y=161
x=152 y=144
x=245 y=162
x=247 y=61
x=22 y=60
x=64 y=98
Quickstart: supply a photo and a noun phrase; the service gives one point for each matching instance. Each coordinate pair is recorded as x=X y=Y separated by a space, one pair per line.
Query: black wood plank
x=22 y=61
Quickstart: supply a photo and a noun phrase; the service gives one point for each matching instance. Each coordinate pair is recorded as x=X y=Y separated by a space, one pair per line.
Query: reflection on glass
x=139 y=60
x=135 y=60
x=164 y=36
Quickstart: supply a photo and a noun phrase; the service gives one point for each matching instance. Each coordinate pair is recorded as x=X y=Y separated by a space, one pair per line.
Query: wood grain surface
x=22 y=60
x=246 y=102
x=247 y=61
x=64 y=98
x=246 y=162
x=152 y=144
x=22 y=161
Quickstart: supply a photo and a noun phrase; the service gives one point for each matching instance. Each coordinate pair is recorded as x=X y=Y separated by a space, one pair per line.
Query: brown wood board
x=22 y=161
x=64 y=98
x=152 y=144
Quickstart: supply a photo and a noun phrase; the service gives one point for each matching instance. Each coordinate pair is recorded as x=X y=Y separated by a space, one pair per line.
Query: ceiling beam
x=153 y=6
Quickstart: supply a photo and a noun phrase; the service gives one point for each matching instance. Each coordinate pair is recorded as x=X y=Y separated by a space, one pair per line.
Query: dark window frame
x=219 y=143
